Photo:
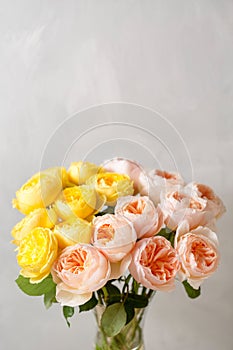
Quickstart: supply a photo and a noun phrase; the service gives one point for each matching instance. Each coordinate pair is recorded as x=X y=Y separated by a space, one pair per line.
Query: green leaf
x=68 y=312
x=135 y=286
x=90 y=304
x=113 y=294
x=104 y=346
x=168 y=234
x=112 y=289
x=192 y=293
x=113 y=319
x=164 y=232
x=35 y=289
x=129 y=311
x=137 y=300
x=50 y=297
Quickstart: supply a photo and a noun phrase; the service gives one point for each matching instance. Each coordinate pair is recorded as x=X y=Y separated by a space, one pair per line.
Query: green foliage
x=46 y=287
x=136 y=300
x=192 y=293
x=68 y=311
x=130 y=312
x=90 y=304
x=112 y=294
x=50 y=297
x=135 y=286
x=168 y=234
x=113 y=319
x=35 y=289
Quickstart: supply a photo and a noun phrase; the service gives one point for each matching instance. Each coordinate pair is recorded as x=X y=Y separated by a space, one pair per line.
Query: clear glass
x=130 y=337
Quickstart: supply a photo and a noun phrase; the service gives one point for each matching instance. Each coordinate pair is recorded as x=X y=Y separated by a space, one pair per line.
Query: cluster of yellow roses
x=59 y=206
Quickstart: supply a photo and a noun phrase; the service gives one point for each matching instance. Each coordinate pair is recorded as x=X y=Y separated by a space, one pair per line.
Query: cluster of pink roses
x=131 y=238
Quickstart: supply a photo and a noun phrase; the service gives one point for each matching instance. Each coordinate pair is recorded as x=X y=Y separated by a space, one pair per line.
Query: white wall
x=59 y=57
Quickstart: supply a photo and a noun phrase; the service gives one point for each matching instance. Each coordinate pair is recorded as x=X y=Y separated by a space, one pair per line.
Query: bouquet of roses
x=109 y=236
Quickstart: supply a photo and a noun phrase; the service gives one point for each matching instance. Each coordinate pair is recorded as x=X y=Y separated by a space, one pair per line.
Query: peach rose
x=154 y=263
x=119 y=268
x=159 y=182
x=125 y=166
x=180 y=205
x=115 y=236
x=198 y=253
x=80 y=270
x=147 y=219
x=214 y=203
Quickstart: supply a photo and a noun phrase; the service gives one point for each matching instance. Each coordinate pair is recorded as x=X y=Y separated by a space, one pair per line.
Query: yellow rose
x=40 y=217
x=73 y=231
x=80 y=172
x=41 y=190
x=112 y=186
x=77 y=201
x=36 y=254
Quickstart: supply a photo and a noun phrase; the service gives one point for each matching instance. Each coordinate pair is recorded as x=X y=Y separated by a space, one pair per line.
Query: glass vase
x=129 y=338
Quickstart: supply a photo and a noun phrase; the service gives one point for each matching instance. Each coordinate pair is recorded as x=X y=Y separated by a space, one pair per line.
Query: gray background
x=59 y=57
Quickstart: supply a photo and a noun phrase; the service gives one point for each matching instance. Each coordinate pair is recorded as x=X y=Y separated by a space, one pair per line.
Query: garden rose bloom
x=77 y=201
x=124 y=166
x=159 y=182
x=214 y=203
x=80 y=270
x=36 y=253
x=198 y=252
x=119 y=268
x=40 y=217
x=41 y=190
x=79 y=172
x=112 y=186
x=154 y=263
x=72 y=231
x=179 y=205
x=147 y=219
x=115 y=236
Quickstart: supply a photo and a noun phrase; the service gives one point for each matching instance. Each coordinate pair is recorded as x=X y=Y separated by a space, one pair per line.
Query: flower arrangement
x=109 y=236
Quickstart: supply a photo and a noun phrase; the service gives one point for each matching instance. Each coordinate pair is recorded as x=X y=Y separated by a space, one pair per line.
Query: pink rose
x=147 y=219
x=119 y=268
x=179 y=205
x=214 y=203
x=125 y=166
x=115 y=236
x=80 y=270
x=198 y=253
x=159 y=182
x=154 y=263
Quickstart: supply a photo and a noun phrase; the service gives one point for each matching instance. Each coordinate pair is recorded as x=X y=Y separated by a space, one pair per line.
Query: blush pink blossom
x=159 y=182
x=80 y=270
x=146 y=218
x=119 y=268
x=114 y=235
x=198 y=253
x=154 y=263
x=214 y=203
x=178 y=206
